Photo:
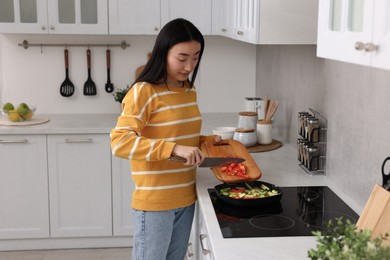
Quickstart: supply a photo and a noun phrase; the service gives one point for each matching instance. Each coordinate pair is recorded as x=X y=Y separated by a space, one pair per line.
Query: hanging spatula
x=109 y=86
x=89 y=85
x=67 y=87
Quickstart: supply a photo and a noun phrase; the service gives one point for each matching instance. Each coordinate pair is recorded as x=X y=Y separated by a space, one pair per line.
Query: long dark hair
x=174 y=32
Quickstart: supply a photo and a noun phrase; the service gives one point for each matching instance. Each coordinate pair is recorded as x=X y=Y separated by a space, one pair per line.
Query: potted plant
x=120 y=94
x=343 y=241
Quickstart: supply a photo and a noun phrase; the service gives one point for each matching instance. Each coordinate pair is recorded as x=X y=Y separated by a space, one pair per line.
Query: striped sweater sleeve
x=126 y=139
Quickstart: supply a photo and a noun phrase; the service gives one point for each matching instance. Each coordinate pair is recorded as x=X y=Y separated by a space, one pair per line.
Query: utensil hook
x=386 y=177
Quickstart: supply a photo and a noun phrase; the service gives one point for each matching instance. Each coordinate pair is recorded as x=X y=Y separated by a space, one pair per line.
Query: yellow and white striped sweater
x=153 y=120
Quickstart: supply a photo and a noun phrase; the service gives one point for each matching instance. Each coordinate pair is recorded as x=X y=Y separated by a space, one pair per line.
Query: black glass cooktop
x=300 y=211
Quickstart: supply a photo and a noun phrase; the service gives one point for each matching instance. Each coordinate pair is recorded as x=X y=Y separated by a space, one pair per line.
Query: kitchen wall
x=34 y=75
x=354 y=99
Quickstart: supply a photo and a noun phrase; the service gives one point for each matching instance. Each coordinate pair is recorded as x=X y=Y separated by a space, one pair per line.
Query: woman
x=160 y=118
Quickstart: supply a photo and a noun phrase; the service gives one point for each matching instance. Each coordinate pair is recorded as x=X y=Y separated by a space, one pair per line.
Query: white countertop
x=67 y=124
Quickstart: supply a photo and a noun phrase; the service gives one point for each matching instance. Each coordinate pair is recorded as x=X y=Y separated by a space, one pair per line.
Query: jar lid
x=313 y=120
x=248 y=113
x=244 y=130
x=303 y=113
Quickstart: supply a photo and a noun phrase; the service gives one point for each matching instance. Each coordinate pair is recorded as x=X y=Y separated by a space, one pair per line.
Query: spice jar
x=313 y=127
x=246 y=136
x=300 y=122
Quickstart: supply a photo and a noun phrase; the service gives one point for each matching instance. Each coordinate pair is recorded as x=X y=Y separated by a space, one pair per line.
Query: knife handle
x=177 y=159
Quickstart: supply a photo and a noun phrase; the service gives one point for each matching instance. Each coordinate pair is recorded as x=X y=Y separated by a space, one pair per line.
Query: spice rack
x=311 y=146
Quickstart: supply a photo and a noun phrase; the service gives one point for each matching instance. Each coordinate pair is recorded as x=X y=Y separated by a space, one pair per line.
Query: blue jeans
x=162 y=234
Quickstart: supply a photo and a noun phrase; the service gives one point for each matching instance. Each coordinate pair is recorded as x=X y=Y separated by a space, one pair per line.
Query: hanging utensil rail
x=25 y=44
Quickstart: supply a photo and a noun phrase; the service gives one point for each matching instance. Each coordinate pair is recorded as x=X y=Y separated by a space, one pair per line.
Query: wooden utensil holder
x=376 y=213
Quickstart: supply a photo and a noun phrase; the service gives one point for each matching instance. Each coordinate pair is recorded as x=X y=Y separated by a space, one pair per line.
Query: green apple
x=23 y=109
x=8 y=106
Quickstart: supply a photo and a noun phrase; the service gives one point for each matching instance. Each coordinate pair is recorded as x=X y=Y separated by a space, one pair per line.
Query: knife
x=210 y=161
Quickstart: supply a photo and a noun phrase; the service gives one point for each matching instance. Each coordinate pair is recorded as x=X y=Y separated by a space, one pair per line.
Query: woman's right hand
x=193 y=155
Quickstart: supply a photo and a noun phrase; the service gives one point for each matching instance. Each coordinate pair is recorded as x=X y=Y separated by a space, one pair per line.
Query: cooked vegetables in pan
x=254 y=193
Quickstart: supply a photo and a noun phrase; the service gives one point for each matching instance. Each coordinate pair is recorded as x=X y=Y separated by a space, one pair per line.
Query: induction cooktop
x=301 y=211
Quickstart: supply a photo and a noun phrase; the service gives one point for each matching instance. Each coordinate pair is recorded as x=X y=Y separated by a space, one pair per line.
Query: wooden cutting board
x=376 y=213
x=232 y=149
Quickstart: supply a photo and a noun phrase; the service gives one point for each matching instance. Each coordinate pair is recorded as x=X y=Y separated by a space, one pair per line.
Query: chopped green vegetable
x=242 y=193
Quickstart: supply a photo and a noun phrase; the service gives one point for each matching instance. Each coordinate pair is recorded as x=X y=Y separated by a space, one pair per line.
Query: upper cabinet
x=355 y=31
x=266 y=21
x=148 y=16
x=54 y=16
x=196 y=11
x=134 y=17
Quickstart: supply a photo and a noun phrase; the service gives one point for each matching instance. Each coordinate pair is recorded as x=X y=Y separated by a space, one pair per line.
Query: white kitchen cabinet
x=266 y=21
x=122 y=190
x=80 y=185
x=355 y=31
x=148 y=16
x=54 y=16
x=202 y=245
x=134 y=17
x=24 y=201
x=196 y=11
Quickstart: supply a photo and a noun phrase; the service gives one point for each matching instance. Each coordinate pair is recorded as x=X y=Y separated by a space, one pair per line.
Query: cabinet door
x=344 y=27
x=204 y=250
x=246 y=20
x=196 y=11
x=223 y=18
x=134 y=17
x=381 y=35
x=78 y=17
x=80 y=185
x=24 y=210
x=122 y=190
x=23 y=16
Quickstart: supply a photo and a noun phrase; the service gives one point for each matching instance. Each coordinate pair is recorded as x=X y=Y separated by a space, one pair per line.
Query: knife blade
x=210 y=161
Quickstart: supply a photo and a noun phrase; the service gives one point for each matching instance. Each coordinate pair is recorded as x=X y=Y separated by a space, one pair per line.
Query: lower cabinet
x=55 y=186
x=24 y=205
x=79 y=185
x=122 y=189
x=199 y=239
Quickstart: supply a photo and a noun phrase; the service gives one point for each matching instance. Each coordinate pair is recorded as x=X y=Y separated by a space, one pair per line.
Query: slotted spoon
x=89 y=85
x=109 y=86
x=67 y=87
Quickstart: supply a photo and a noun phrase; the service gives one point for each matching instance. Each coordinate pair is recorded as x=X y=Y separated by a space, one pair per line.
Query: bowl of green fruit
x=22 y=112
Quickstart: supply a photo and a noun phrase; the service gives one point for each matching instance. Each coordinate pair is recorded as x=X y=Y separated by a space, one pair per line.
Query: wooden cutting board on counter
x=376 y=213
x=232 y=149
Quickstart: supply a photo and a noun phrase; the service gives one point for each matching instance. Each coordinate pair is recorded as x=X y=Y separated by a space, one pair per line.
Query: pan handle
x=386 y=177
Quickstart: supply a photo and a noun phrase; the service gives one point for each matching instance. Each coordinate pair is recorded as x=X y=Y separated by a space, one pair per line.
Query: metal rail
x=25 y=44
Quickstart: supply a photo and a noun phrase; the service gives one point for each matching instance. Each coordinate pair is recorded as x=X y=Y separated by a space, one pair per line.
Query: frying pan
x=249 y=202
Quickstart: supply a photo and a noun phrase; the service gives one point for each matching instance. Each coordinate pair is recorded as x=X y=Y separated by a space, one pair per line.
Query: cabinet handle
x=240 y=32
x=359 y=46
x=52 y=28
x=369 y=47
x=189 y=254
x=14 y=141
x=89 y=140
x=223 y=30
x=201 y=238
x=156 y=28
x=43 y=28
